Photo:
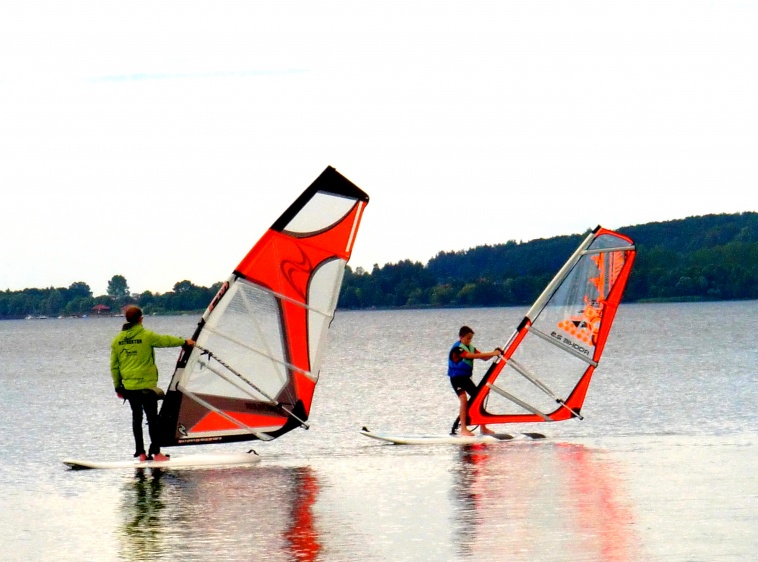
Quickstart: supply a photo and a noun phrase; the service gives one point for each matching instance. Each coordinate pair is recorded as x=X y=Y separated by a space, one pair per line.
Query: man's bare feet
x=486 y=431
x=466 y=433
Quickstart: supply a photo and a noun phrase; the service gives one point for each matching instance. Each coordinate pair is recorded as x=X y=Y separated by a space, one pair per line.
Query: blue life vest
x=462 y=367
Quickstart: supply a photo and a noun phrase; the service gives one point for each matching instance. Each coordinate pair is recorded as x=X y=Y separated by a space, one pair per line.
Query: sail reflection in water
x=202 y=514
x=524 y=502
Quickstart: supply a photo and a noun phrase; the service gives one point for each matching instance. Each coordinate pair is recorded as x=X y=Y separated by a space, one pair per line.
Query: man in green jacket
x=135 y=377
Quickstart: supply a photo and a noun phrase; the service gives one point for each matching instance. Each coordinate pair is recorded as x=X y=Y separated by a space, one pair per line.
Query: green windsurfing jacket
x=133 y=357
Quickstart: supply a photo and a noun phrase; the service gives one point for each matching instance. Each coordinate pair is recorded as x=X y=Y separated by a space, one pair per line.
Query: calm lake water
x=663 y=467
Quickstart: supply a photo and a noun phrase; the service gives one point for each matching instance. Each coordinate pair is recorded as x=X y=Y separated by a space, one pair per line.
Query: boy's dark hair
x=464 y=331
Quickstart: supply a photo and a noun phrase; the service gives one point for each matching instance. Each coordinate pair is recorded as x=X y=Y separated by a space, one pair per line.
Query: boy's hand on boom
x=190 y=343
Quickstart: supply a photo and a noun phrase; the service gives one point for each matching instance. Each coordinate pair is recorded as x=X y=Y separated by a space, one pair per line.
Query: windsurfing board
x=449 y=439
x=189 y=461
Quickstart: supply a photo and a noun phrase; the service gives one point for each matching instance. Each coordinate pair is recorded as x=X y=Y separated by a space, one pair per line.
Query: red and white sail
x=254 y=369
x=549 y=360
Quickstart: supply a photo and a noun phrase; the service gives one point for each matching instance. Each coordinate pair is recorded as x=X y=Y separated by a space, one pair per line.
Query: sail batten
x=266 y=354
x=604 y=250
x=562 y=347
x=518 y=401
x=259 y=344
x=239 y=381
x=558 y=345
x=323 y=312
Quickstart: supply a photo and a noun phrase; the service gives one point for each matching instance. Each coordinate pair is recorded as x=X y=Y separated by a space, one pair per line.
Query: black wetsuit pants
x=144 y=401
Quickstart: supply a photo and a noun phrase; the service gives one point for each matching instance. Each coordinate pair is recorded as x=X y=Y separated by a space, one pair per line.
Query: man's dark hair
x=133 y=314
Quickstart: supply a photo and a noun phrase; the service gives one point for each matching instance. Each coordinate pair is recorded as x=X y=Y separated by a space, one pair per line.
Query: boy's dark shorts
x=463 y=384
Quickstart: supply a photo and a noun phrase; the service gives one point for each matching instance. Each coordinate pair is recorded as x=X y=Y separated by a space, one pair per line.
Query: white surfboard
x=448 y=439
x=189 y=461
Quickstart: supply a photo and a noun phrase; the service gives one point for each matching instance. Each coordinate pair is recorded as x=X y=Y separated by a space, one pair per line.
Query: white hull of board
x=189 y=461
x=449 y=439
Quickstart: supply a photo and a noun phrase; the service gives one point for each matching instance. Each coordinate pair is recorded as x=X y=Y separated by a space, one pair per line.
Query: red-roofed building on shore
x=101 y=309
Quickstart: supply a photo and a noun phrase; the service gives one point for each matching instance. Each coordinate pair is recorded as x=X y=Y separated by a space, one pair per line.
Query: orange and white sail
x=254 y=369
x=548 y=362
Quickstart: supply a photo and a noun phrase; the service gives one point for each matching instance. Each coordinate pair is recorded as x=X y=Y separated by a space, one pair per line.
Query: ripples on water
x=662 y=468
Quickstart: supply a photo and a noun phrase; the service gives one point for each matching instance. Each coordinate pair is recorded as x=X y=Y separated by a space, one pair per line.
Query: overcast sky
x=159 y=140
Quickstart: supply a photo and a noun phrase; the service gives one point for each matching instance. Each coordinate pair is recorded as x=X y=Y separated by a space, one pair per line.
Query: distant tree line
x=712 y=257
x=77 y=300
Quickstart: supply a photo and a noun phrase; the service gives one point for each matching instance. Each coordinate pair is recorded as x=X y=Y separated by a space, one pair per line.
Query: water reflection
x=301 y=535
x=143 y=506
x=467 y=471
x=541 y=502
x=602 y=508
x=266 y=513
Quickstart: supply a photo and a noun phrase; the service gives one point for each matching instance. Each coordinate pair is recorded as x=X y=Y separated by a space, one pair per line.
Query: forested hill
x=712 y=257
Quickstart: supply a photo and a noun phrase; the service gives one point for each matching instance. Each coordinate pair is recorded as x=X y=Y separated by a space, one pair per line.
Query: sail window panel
x=573 y=314
x=551 y=365
x=246 y=335
x=578 y=288
x=323 y=292
x=322 y=211
x=571 y=325
x=606 y=241
x=609 y=263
